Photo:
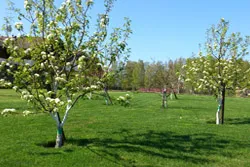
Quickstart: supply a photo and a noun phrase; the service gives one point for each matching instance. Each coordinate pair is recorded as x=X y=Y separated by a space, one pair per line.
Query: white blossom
x=15 y=88
x=93 y=87
x=42 y=65
x=89 y=2
x=69 y=101
x=57 y=100
x=60 y=79
x=19 y=26
x=8 y=111
x=55 y=109
x=36 y=75
x=16 y=48
x=26 y=112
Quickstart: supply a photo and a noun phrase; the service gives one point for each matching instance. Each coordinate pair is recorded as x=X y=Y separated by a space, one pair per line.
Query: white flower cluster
x=55 y=101
x=27 y=51
x=26 y=96
x=19 y=26
x=121 y=98
x=91 y=88
x=15 y=88
x=4 y=83
x=36 y=75
x=89 y=2
x=69 y=102
x=124 y=100
x=60 y=79
x=27 y=5
x=50 y=36
x=26 y=113
x=104 y=21
x=8 y=111
x=81 y=62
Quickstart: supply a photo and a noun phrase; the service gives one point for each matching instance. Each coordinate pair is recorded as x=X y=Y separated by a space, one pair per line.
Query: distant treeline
x=171 y=75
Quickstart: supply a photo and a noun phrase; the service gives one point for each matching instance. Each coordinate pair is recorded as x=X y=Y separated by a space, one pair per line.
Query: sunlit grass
x=143 y=134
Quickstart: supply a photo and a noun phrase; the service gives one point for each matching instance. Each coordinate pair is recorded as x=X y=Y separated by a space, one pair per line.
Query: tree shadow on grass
x=195 y=148
x=49 y=144
x=237 y=121
x=233 y=121
x=188 y=108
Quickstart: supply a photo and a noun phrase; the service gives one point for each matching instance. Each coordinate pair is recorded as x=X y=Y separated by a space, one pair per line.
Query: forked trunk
x=60 y=137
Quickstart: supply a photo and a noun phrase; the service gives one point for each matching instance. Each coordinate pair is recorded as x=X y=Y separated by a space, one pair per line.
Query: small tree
x=219 y=68
x=59 y=60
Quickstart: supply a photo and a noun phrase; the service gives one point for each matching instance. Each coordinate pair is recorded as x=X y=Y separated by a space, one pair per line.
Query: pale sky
x=169 y=29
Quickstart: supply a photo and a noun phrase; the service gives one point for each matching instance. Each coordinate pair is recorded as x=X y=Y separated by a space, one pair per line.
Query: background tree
x=127 y=75
x=219 y=69
x=66 y=61
x=138 y=75
x=149 y=75
x=179 y=71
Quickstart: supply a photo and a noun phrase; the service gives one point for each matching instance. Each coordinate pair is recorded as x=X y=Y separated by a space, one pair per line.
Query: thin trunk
x=107 y=95
x=178 y=89
x=164 y=98
x=223 y=93
x=60 y=137
x=175 y=95
x=59 y=119
x=218 y=113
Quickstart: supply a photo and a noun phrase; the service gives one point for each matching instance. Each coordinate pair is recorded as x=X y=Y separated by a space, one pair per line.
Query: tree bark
x=223 y=94
x=218 y=113
x=107 y=95
x=59 y=137
x=164 y=98
x=59 y=119
x=175 y=95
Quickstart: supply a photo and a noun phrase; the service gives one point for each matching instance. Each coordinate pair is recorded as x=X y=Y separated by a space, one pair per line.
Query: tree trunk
x=59 y=137
x=175 y=95
x=164 y=98
x=218 y=113
x=107 y=95
x=223 y=93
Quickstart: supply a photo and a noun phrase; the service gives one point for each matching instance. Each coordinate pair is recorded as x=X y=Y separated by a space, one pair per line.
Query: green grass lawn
x=143 y=134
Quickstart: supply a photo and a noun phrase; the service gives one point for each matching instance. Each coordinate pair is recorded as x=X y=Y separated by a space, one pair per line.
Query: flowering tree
x=59 y=60
x=219 y=68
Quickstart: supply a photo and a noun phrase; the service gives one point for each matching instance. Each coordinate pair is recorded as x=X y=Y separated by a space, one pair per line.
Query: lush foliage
x=147 y=75
x=221 y=64
x=124 y=100
x=220 y=68
x=59 y=60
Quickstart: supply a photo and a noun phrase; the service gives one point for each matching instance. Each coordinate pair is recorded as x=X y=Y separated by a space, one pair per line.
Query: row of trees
x=217 y=69
x=61 y=59
x=176 y=75
x=136 y=75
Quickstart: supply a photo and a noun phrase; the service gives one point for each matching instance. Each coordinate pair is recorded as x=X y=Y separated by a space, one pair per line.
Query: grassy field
x=143 y=134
